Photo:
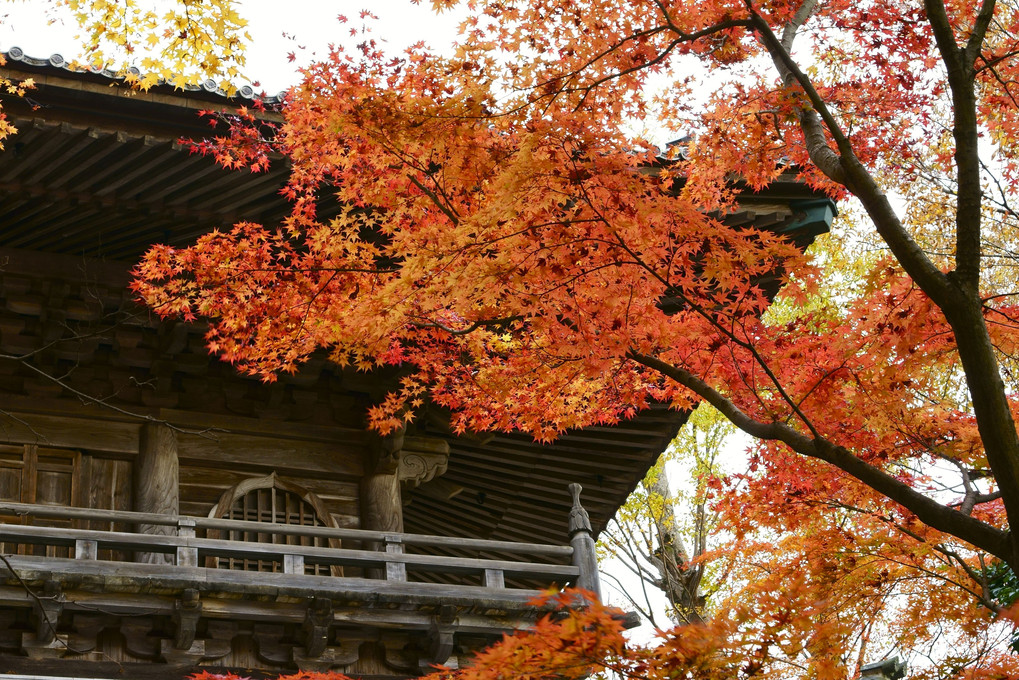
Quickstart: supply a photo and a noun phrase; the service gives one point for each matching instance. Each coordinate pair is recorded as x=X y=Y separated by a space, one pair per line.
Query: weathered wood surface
x=259 y=453
x=157 y=483
x=26 y=509
x=85 y=432
x=134 y=604
x=584 y=556
x=207 y=547
x=157 y=579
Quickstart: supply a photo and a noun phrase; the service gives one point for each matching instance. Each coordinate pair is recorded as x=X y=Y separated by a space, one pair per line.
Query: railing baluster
x=395 y=571
x=186 y=556
x=85 y=549
x=186 y=527
x=293 y=564
x=495 y=578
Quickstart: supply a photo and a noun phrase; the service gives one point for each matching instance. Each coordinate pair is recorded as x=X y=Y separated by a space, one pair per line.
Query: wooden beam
x=69 y=432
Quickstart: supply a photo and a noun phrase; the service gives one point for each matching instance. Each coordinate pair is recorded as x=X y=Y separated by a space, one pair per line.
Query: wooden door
x=43 y=476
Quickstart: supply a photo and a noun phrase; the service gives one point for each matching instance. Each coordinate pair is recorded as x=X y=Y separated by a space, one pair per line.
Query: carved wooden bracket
x=200 y=650
x=186 y=612
x=47 y=608
x=315 y=629
x=342 y=654
x=413 y=459
x=440 y=636
x=422 y=459
x=384 y=454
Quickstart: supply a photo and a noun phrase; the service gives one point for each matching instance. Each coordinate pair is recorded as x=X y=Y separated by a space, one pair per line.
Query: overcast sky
x=312 y=23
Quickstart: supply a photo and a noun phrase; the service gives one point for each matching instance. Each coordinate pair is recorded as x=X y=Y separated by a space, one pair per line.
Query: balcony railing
x=385 y=558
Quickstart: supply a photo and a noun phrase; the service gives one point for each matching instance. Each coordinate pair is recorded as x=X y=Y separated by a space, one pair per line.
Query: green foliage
x=1004 y=586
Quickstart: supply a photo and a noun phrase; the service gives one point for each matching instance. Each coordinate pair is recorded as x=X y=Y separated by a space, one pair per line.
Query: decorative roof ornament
x=579 y=519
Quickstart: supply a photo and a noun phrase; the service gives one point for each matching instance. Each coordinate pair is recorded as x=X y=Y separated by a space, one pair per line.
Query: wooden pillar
x=381 y=503
x=584 y=556
x=157 y=484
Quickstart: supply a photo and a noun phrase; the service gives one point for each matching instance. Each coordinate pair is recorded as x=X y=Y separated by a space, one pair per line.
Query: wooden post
x=381 y=502
x=381 y=505
x=187 y=556
x=584 y=557
x=85 y=549
x=395 y=571
x=293 y=564
x=157 y=483
x=495 y=578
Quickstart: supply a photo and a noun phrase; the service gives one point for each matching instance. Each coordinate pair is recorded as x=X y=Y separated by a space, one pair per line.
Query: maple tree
x=533 y=264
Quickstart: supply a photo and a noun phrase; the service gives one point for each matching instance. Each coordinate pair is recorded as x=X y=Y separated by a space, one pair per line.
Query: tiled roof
x=57 y=61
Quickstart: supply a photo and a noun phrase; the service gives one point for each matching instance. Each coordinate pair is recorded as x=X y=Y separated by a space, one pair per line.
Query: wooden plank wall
x=91 y=464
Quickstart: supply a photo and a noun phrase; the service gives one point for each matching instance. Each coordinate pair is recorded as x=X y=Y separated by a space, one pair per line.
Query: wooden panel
x=265 y=454
x=56 y=476
x=73 y=433
x=11 y=467
x=109 y=489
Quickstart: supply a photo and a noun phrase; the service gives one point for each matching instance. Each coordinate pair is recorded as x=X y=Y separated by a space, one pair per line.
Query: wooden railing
x=387 y=555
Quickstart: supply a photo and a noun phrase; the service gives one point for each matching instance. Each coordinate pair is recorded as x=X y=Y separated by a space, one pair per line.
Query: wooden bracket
x=343 y=654
x=422 y=459
x=47 y=608
x=315 y=630
x=384 y=453
x=186 y=613
x=440 y=636
x=198 y=651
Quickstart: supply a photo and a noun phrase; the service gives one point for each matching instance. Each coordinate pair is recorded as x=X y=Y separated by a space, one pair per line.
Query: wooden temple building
x=161 y=513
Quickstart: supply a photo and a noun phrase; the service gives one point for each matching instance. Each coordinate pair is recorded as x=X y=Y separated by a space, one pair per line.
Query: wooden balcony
x=179 y=589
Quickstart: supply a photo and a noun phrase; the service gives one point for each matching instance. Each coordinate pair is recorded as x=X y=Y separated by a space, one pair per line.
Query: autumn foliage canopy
x=510 y=237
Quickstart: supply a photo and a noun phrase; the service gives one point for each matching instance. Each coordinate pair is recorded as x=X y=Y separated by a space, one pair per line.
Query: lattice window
x=270 y=499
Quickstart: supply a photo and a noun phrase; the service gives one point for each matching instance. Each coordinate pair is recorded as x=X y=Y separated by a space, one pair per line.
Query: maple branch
x=846 y=169
x=960 y=67
x=102 y=402
x=639 y=261
x=659 y=58
x=805 y=10
x=817 y=144
x=481 y=323
x=979 y=31
x=976 y=576
x=646 y=610
x=446 y=210
x=994 y=61
x=40 y=607
x=951 y=521
x=670 y=25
